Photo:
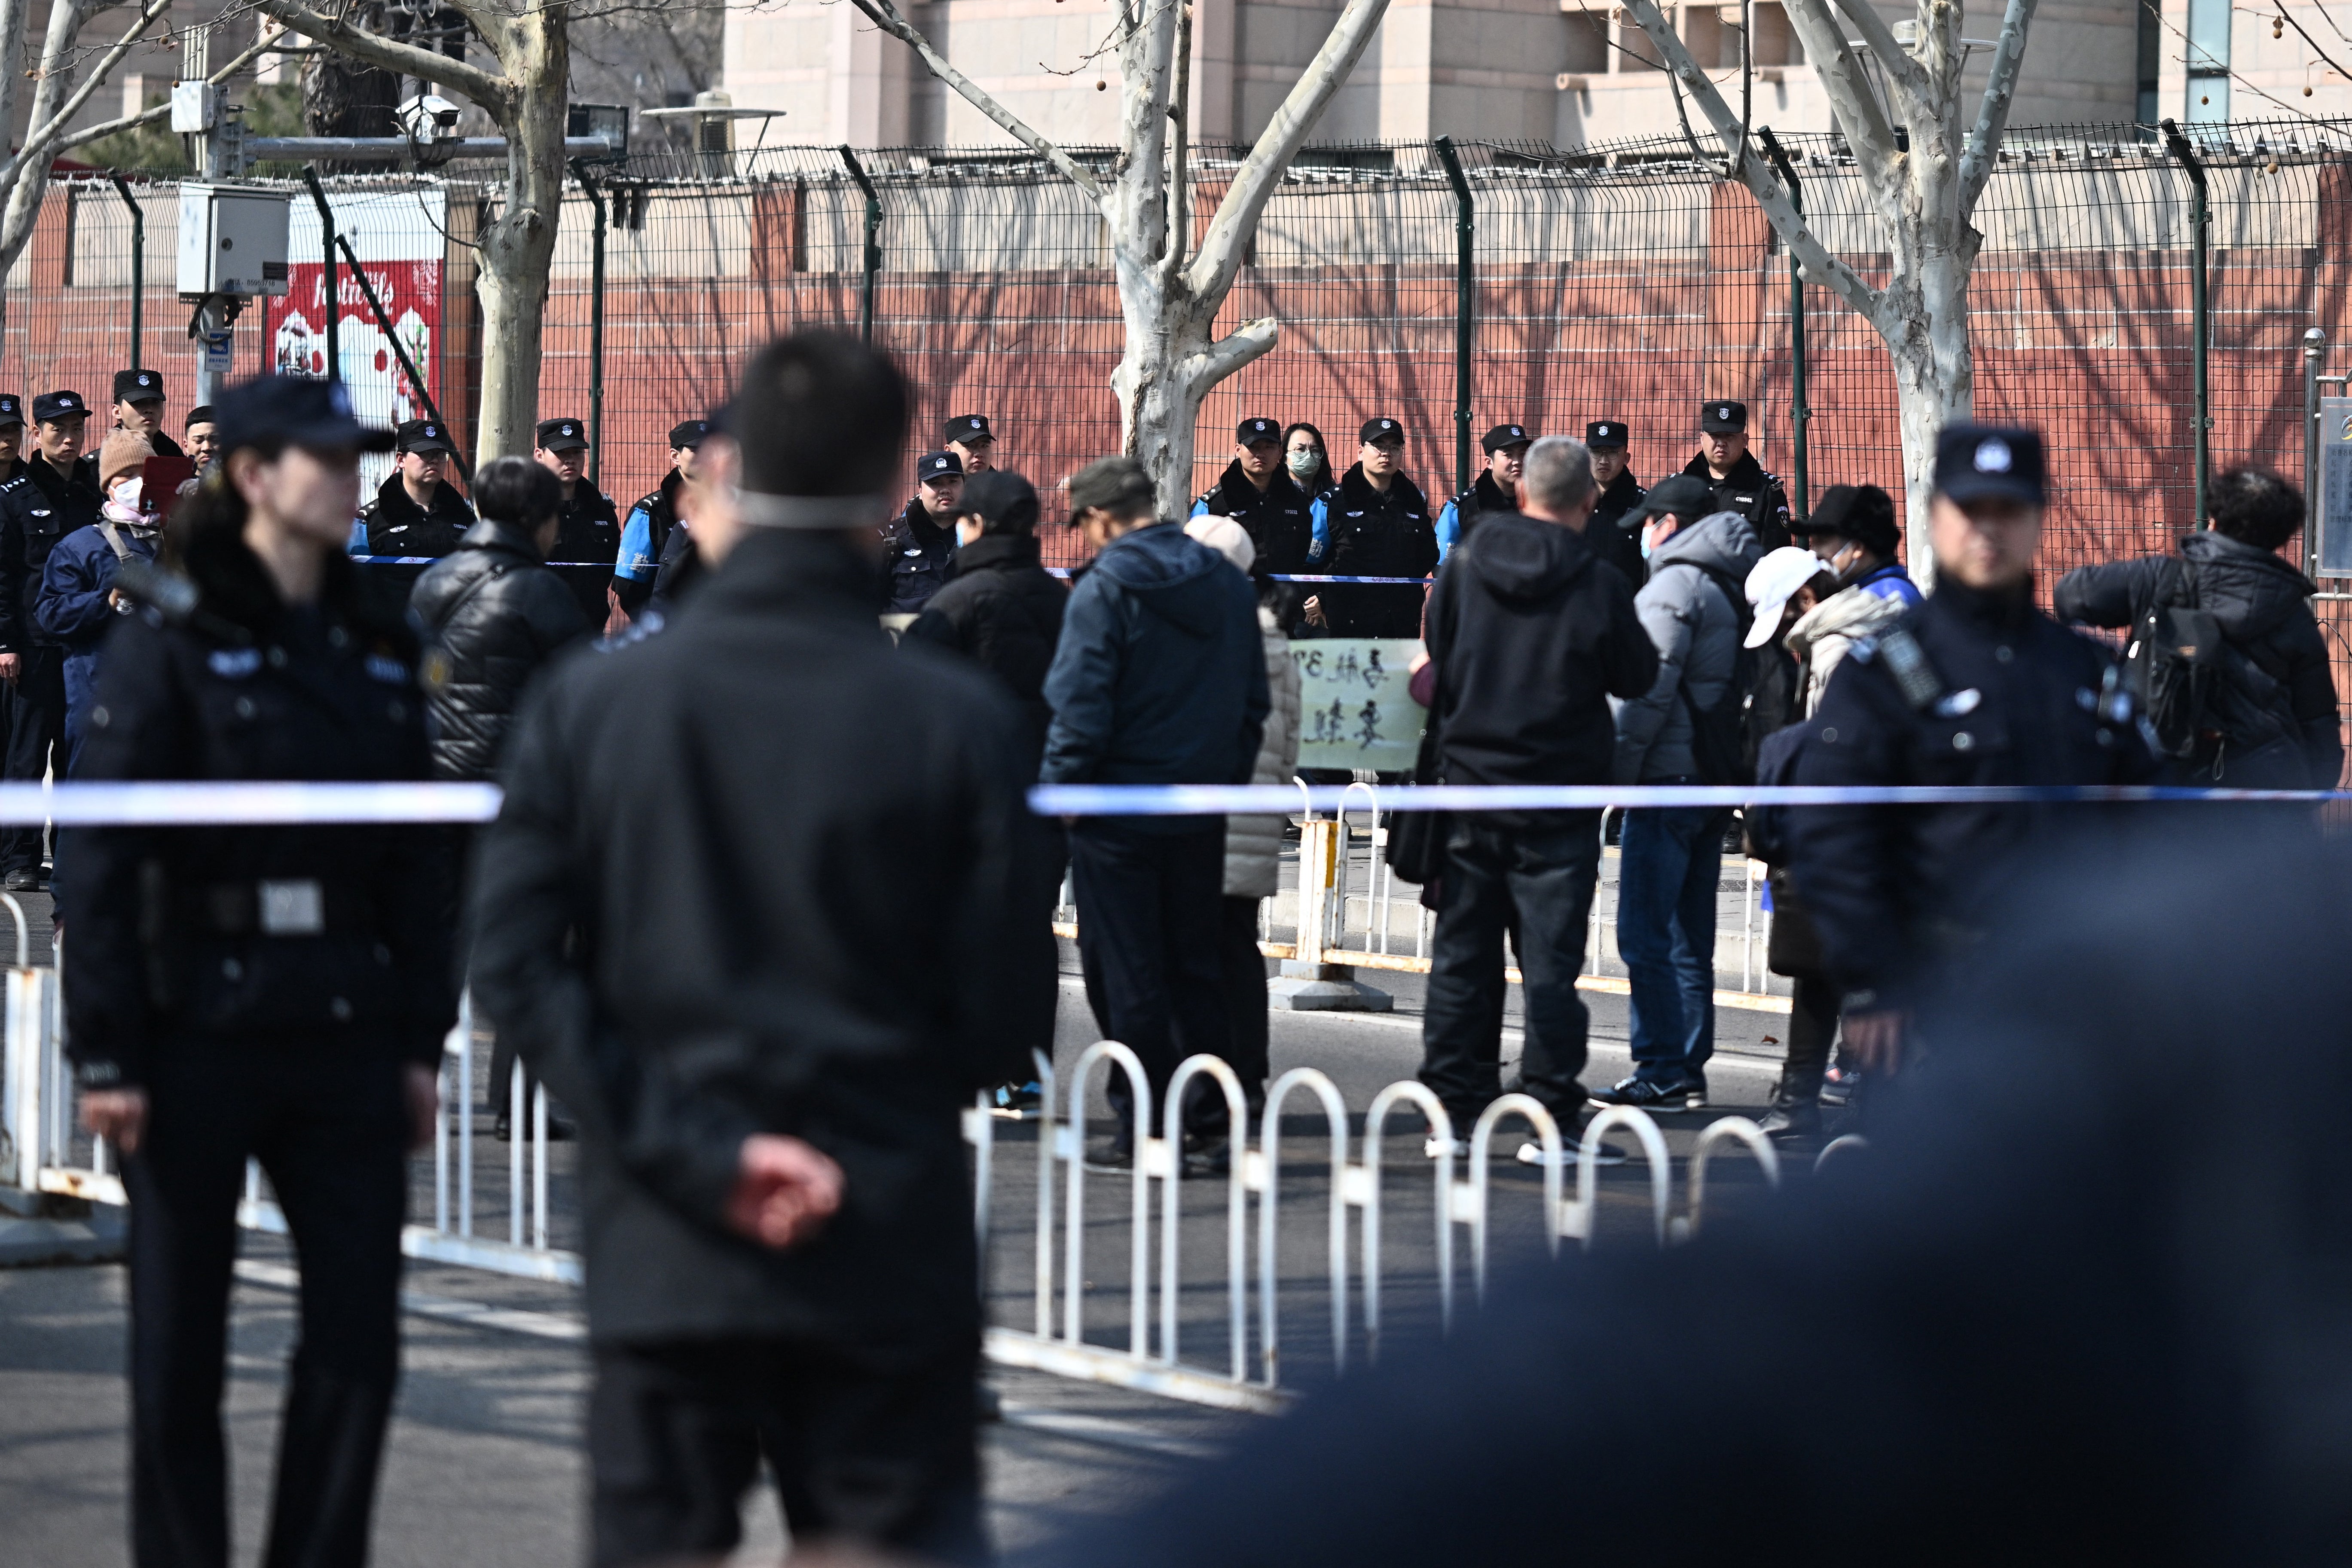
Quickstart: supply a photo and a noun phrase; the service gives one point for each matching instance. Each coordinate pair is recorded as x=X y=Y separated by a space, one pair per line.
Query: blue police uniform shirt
x=1891 y=582
x=637 y=561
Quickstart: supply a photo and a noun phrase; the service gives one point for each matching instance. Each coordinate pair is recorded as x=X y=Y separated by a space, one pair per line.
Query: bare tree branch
x=40 y=144
x=99 y=133
x=1212 y=272
x=1138 y=197
x=1992 y=114
x=1905 y=74
x=1822 y=266
x=494 y=93
x=1236 y=349
x=885 y=15
x=1852 y=101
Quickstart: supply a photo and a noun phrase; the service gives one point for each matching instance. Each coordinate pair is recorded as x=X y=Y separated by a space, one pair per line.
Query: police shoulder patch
x=391 y=671
x=234 y=663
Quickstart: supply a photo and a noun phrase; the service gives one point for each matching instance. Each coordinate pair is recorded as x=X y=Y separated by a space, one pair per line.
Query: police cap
x=938 y=466
x=12 y=410
x=138 y=386
x=423 y=436
x=562 y=436
x=1990 y=462
x=968 y=430
x=292 y=408
x=1723 y=416
x=1503 y=438
x=1687 y=496
x=1607 y=435
x=1250 y=432
x=54 y=406
x=1380 y=431
x=689 y=433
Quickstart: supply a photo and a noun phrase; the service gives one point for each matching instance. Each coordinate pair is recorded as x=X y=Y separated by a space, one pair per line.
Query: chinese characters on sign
x=1354 y=711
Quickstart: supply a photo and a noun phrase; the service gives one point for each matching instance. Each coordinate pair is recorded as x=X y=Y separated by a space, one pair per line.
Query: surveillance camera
x=427 y=117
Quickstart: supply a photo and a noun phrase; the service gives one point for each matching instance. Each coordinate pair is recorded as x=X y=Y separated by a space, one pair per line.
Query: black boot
x=1791 y=1116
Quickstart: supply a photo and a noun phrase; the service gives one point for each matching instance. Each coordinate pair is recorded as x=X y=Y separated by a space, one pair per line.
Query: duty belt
x=291 y=905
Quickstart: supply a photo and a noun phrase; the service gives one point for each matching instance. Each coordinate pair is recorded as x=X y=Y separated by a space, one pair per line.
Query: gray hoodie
x=1696 y=627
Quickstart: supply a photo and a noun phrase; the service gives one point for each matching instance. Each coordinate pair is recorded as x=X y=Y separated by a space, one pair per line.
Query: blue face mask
x=1646 y=545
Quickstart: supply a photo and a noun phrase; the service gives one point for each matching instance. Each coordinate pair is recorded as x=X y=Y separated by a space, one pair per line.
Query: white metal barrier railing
x=1254 y=1168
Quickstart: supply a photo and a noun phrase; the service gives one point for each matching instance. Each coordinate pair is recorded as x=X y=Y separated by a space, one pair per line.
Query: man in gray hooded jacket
x=1695 y=609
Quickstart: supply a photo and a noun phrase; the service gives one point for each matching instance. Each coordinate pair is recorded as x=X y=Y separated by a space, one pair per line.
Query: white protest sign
x=1353 y=709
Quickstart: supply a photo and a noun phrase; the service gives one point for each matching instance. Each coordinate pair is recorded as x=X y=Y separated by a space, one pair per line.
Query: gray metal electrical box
x=232 y=241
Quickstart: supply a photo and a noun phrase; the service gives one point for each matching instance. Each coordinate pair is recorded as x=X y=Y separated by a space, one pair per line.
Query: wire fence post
x=1465 y=225
x=334 y=286
x=870 y=262
x=2314 y=361
x=1801 y=414
x=138 y=265
x=2201 y=220
x=595 y=326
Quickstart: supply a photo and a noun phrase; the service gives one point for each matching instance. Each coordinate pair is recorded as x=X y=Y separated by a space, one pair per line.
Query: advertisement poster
x=398 y=237
x=1353 y=709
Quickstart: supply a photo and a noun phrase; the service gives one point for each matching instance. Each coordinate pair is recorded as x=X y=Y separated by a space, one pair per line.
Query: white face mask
x=125 y=493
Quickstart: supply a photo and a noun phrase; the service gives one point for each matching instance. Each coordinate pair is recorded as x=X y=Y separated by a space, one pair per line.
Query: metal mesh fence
x=1628 y=281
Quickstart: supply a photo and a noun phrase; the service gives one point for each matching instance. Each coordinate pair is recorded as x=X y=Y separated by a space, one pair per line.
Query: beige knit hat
x=124 y=452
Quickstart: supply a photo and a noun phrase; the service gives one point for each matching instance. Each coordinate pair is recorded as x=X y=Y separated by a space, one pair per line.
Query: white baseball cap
x=1772 y=581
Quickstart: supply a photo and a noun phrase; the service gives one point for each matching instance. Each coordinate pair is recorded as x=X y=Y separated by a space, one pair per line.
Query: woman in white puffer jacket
x=1254 y=843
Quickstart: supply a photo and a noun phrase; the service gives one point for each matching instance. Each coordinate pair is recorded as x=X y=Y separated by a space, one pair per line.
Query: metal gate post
x=334 y=289
x=2315 y=360
x=871 y=260
x=1801 y=414
x=138 y=263
x=1465 y=225
x=596 y=325
x=2201 y=222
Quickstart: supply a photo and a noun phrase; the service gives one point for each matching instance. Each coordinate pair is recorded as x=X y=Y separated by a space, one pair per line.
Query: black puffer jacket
x=493 y=613
x=1004 y=609
x=2264 y=608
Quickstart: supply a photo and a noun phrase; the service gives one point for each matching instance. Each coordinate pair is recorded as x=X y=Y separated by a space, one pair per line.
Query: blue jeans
x=1669 y=860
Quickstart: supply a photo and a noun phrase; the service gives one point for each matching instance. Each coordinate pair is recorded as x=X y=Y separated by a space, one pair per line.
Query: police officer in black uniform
x=273 y=993
x=12 y=436
x=645 y=535
x=1614 y=531
x=1376 y=523
x=1974 y=687
x=588 y=527
x=137 y=406
x=416 y=510
x=48 y=500
x=1497 y=488
x=1739 y=481
x=917 y=544
x=972 y=442
x=1255 y=492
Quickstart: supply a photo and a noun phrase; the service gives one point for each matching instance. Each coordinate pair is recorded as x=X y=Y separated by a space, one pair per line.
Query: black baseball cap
x=202 y=414
x=1687 y=496
x=562 y=436
x=1381 y=430
x=967 y=429
x=1250 y=432
x=1723 y=417
x=1607 y=435
x=938 y=466
x=11 y=409
x=1005 y=500
x=689 y=433
x=138 y=386
x=1504 y=437
x=1991 y=462
x=422 y=435
x=295 y=408
x=51 y=406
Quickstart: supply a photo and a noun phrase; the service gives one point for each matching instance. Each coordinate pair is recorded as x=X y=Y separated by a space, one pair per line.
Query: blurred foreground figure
x=694 y=916
x=2092 y=1296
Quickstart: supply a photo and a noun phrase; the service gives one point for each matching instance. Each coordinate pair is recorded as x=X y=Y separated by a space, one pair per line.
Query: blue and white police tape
x=219 y=803
x=1303 y=577
x=429 y=560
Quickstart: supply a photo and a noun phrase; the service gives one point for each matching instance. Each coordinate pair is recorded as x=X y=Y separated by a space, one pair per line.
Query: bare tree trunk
x=518 y=249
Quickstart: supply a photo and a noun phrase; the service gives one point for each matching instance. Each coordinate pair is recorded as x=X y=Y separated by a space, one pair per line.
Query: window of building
x=2209 y=60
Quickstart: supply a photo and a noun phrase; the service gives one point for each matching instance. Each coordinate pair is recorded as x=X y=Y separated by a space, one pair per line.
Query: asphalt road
x=485 y=1464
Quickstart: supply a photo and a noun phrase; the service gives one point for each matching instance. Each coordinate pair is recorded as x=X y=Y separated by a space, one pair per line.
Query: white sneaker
x=1437 y=1148
x=1604 y=1154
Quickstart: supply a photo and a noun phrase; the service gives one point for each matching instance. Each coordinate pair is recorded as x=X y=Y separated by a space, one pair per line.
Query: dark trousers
x=329 y=1126
x=1536 y=883
x=1242 y=968
x=876 y=1451
x=35 y=709
x=1150 y=909
x=1812 y=1030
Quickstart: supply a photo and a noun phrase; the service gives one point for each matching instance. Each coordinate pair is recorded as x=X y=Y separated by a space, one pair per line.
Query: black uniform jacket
x=2022 y=701
x=397 y=525
x=494 y=614
x=37 y=508
x=1751 y=492
x=1611 y=536
x=1279 y=519
x=1374 y=533
x=588 y=530
x=751 y=876
x=333 y=937
x=85 y=465
x=916 y=550
x=1001 y=608
x=2265 y=608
